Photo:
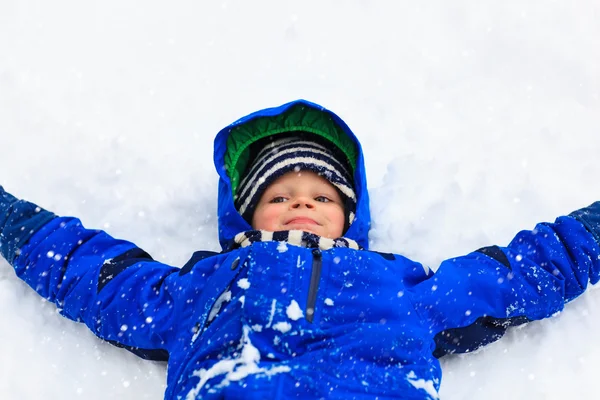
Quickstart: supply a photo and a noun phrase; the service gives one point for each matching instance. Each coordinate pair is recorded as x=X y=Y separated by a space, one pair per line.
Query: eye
x=278 y=199
x=322 y=199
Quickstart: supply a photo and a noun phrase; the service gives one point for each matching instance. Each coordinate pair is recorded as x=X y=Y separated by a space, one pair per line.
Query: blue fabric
x=18 y=221
x=590 y=217
x=235 y=325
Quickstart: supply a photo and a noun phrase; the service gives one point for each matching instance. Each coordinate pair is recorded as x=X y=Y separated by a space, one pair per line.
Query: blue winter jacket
x=233 y=324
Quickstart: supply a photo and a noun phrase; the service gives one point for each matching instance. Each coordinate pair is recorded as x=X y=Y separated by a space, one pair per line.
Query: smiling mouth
x=302 y=221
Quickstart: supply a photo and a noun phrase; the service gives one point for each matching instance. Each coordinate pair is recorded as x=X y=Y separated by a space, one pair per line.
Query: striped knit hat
x=281 y=154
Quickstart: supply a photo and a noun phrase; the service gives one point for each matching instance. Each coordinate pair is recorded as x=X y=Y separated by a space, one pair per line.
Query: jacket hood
x=231 y=153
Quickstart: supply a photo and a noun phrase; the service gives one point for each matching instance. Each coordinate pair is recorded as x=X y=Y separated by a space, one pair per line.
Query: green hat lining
x=299 y=118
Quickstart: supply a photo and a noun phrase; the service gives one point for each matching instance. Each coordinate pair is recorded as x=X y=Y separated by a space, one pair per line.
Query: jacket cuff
x=590 y=217
x=19 y=220
x=6 y=199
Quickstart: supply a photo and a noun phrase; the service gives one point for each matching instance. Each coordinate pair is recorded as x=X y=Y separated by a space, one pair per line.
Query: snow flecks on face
x=257 y=328
x=243 y=283
x=423 y=384
x=293 y=311
x=328 y=302
x=282 y=247
x=225 y=296
x=282 y=327
x=273 y=305
x=348 y=284
x=242 y=300
x=237 y=368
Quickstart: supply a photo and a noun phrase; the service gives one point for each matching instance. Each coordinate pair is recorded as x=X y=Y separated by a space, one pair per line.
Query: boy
x=295 y=306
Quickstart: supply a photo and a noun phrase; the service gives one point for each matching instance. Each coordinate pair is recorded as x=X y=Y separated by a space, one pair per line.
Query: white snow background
x=478 y=119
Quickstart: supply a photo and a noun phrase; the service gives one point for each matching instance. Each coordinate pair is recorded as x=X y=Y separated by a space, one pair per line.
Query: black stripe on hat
x=252 y=195
x=289 y=153
x=265 y=161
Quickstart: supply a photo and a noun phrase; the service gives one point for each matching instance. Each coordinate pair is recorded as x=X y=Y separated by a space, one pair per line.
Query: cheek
x=337 y=218
x=266 y=218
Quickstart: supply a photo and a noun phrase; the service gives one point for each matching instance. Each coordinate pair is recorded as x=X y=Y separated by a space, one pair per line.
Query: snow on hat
x=288 y=153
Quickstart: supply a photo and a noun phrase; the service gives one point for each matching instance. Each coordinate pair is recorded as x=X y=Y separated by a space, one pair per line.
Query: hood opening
x=298 y=118
x=233 y=153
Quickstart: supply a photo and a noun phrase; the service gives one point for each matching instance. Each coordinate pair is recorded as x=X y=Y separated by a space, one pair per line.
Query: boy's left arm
x=471 y=300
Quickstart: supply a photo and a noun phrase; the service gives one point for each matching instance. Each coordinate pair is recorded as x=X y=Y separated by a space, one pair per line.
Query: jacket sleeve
x=111 y=285
x=471 y=300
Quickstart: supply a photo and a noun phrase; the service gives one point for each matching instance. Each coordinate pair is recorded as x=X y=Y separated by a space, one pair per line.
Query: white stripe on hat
x=262 y=163
x=347 y=191
x=270 y=153
x=259 y=159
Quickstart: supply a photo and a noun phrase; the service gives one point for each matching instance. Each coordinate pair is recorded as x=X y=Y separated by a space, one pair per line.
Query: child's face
x=303 y=201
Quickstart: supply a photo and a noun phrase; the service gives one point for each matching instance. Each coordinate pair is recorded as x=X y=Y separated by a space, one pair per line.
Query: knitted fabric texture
x=293 y=153
x=292 y=237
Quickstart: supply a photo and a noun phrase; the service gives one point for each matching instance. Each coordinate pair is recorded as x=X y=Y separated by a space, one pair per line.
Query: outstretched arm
x=111 y=285
x=471 y=300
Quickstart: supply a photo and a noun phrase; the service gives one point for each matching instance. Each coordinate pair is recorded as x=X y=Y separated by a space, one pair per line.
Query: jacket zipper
x=315 y=277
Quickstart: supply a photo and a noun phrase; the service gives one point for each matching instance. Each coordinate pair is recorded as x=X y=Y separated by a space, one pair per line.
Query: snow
x=224 y=297
x=236 y=369
x=243 y=283
x=272 y=313
x=425 y=385
x=282 y=326
x=293 y=311
x=282 y=247
x=478 y=119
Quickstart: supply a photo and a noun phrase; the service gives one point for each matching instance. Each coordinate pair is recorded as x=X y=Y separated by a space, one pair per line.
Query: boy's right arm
x=111 y=285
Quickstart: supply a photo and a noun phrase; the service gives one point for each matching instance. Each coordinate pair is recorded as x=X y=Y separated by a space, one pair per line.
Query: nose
x=303 y=202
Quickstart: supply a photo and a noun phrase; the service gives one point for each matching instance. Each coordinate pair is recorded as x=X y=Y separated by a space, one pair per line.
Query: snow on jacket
x=234 y=324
